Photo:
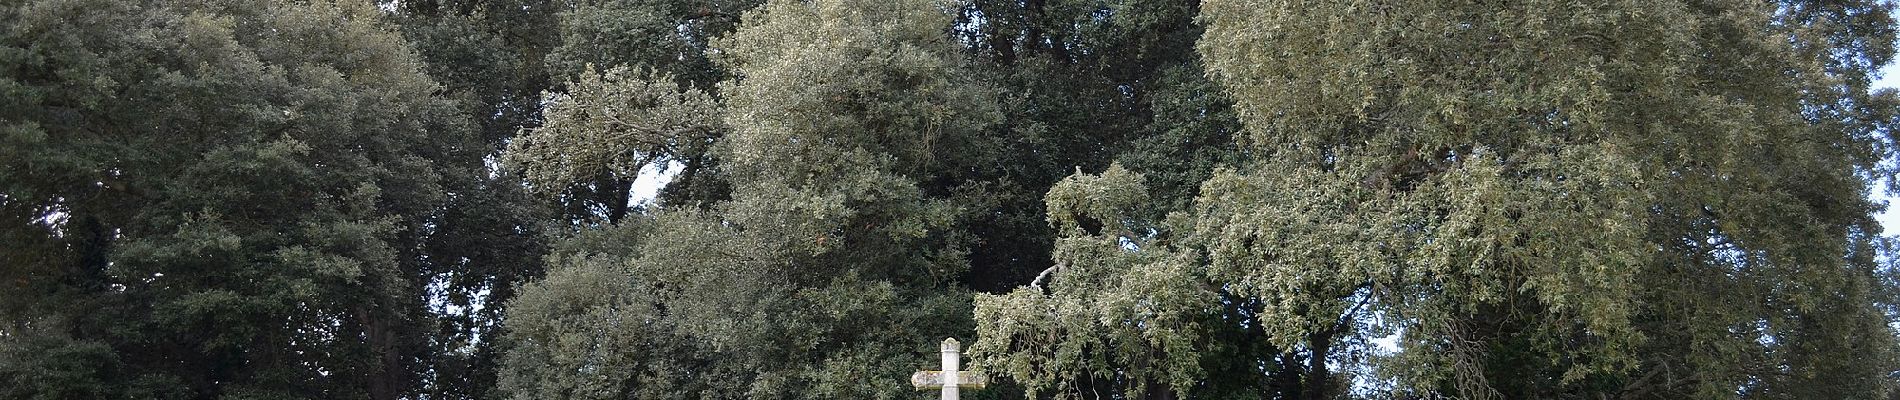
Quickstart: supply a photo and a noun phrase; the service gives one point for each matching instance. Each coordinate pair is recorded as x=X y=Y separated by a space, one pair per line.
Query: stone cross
x=949 y=379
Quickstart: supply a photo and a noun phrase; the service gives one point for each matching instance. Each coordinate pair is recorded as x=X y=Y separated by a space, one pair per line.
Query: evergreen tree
x=829 y=273
x=670 y=39
x=216 y=200
x=489 y=235
x=1086 y=83
x=1548 y=199
x=1153 y=199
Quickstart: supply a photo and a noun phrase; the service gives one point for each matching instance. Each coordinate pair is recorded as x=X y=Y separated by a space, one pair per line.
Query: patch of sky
x=1878 y=191
x=646 y=186
x=1889 y=218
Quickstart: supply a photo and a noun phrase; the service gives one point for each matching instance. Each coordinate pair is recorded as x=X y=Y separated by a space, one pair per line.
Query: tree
x=670 y=39
x=217 y=200
x=1153 y=199
x=498 y=58
x=488 y=235
x=614 y=124
x=829 y=273
x=1086 y=83
x=1654 y=200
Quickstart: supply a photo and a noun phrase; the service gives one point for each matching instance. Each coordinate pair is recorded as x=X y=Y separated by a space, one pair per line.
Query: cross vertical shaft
x=952 y=354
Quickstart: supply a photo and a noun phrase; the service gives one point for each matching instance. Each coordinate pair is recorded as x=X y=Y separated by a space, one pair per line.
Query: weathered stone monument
x=950 y=378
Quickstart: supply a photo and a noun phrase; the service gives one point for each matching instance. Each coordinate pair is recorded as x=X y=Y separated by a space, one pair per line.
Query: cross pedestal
x=949 y=379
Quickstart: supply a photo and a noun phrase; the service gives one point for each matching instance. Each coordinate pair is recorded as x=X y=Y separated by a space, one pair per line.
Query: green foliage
x=669 y=36
x=668 y=40
x=826 y=275
x=1229 y=199
x=485 y=238
x=489 y=54
x=1550 y=200
x=613 y=124
x=1086 y=83
x=1544 y=179
x=1114 y=313
x=226 y=199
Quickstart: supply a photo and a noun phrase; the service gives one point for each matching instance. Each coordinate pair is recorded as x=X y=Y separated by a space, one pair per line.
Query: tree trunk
x=619 y=198
x=1318 y=378
x=385 y=382
x=1032 y=24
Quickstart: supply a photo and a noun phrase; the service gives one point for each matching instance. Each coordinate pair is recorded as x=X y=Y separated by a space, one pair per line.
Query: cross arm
x=924 y=380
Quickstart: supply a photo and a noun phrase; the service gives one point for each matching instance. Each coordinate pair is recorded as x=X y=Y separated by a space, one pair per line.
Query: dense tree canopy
x=1546 y=199
x=829 y=269
x=1112 y=199
x=217 y=200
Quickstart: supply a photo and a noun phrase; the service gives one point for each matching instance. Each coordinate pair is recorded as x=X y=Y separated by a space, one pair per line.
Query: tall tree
x=490 y=234
x=1086 y=83
x=670 y=38
x=216 y=200
x=831 y=272
x=510 y=62
x=1548 y=199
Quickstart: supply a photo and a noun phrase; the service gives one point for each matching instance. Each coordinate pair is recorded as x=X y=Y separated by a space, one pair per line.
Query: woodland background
x=1113 y=199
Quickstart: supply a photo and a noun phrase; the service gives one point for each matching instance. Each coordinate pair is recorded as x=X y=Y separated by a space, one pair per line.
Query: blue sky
x=1889 y=220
